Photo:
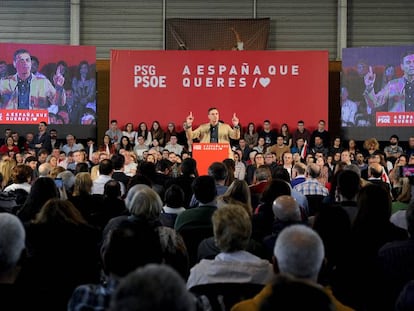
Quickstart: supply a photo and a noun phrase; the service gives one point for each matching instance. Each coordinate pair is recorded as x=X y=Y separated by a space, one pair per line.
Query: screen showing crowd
x=50 y=83
x=377 y=90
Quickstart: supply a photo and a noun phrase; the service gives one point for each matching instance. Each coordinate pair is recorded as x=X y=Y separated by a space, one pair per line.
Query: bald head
x=285 y=208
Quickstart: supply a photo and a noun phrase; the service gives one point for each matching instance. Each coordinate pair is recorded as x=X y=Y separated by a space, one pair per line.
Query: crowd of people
x=128 y=221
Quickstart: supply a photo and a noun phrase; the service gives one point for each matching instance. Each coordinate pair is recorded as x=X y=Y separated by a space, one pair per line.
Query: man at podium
x=214 y=131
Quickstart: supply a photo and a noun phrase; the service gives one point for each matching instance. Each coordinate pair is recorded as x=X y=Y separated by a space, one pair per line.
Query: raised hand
x=369 y=78
x=235 y=120
x=189 y=120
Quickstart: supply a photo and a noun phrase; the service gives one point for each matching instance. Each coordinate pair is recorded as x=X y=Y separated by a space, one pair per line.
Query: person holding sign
x=214 y=131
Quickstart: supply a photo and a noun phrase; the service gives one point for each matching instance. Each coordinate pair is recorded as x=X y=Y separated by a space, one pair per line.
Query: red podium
x=207 y=153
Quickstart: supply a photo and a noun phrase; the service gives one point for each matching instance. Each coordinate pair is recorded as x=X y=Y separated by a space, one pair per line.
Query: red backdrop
x=283 y=86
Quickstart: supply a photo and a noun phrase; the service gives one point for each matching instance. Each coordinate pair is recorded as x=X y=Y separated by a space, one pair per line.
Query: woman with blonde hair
x=6 y=171
x=237 y=193
x=82 y=199
x=371 y=145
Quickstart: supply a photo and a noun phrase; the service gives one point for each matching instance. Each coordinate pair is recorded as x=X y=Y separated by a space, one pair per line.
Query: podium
x=207 y=153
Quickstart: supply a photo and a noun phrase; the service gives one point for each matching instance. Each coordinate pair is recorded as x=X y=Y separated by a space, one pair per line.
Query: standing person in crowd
x=42 y=139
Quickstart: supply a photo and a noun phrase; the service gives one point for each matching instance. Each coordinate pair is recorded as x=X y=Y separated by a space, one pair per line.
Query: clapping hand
x=369 y=79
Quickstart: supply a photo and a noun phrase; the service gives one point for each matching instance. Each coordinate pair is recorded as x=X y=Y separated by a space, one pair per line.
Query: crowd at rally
x=128 y=221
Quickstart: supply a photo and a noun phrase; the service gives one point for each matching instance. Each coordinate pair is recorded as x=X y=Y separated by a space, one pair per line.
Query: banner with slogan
x=282 y=86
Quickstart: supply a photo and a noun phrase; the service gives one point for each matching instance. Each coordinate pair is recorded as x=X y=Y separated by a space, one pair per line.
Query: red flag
x=303 y=151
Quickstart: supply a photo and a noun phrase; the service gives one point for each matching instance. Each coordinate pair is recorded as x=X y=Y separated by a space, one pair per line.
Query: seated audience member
x=62 y=253
x=299 y=253
x=396 y=263
x=120 y=254
x=311 y=186
x=219 y=172
x=188 y=173
x=21 y=177
x=153 y=287
x=347 y=189
x=371 y=229
x=232 y=230
x=106 y=170
x=285 y=293
x=41 y=191
x=12 y=238
x=173 y=200
x=144 y=204
x=262 y=178
x=263 y=216
x=287 y=212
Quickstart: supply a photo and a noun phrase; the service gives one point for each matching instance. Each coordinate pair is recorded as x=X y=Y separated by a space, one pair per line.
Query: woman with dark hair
x=129 y=132
x=62 y=253
x=370 y=230
x=41 y=191
x=9 y=146
x=251 y=136
x=287 y=137
x=125 y=144
x=157 y=132
x=107 y=146
x=143 y=131
x=171 y=131
x=84 y=92
x=263 y=217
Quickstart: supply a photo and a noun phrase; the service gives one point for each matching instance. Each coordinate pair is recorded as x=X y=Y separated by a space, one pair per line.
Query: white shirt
x=236 y=267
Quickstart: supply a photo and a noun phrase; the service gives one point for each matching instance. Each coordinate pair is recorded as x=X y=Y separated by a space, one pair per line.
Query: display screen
x=51 y=83
x=377 y=99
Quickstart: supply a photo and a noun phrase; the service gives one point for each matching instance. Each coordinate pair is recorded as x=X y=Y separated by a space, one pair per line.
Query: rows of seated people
x=81 y=208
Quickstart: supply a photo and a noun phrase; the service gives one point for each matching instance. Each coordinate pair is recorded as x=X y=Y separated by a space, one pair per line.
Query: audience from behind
x=41 y=191
x=62 y=253
x=232 y=231
x=299 y=253
x=396 y=266
x=286 y=213
x=144 y=204
x=12 y=247
x=263 y=216
x=121 y=253
x=289 y=293
x=238 y=192
x=152 y=288
x=173 y=205
x=371 y=229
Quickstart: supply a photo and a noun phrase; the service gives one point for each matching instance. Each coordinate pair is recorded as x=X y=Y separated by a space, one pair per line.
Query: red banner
x=283 y=86
x=386 y=119
x=23 y=116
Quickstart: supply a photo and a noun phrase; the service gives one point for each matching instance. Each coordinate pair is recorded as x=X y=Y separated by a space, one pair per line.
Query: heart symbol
x=264 y=81
x=34 y=119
